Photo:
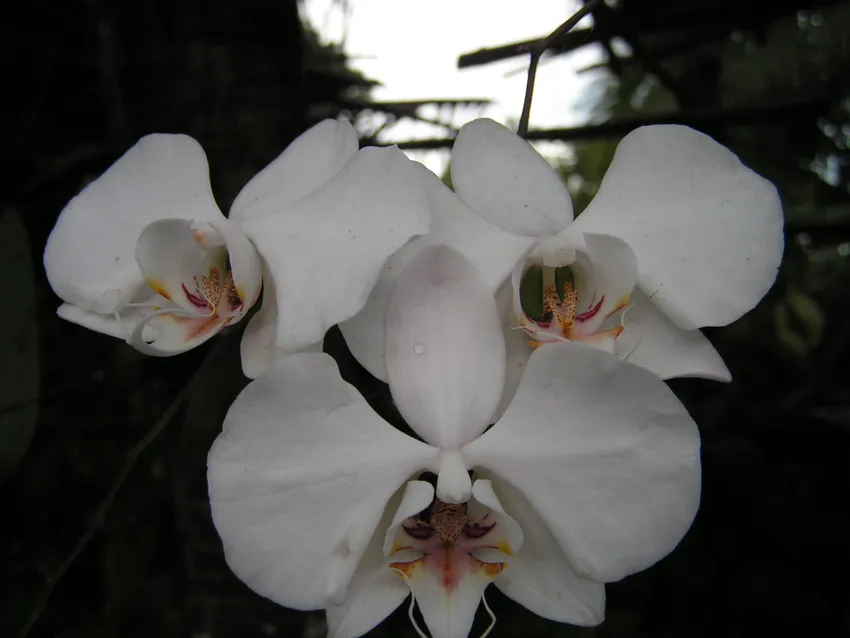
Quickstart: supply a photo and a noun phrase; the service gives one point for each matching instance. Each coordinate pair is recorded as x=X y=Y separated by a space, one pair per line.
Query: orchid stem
x=103 y=509
x=537 y=51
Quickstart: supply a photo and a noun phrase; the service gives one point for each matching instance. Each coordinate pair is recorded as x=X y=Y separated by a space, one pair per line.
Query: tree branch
x=537 y=50
x=697 y=119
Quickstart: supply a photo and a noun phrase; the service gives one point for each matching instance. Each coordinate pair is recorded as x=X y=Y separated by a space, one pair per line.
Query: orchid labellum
x=591 y=474
x=143 y=253
x=681 y=235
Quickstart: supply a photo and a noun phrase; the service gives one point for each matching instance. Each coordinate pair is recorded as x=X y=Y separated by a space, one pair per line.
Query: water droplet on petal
x=419 y=348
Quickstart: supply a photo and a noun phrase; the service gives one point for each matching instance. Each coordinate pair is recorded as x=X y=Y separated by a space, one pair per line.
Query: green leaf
x=19 y=379
x=531 y=293
x=798 y=321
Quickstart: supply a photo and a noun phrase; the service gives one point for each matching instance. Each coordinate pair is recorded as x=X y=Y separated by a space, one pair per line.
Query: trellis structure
x=673 y=42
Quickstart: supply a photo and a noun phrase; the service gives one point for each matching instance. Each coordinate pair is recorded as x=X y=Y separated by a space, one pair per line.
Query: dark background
x=84 y=79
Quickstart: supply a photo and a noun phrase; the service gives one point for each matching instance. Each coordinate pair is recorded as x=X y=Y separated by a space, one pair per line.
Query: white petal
x=174 y=255
x=258 y=349
x=313 y=158
x=650 y=340
x=615 y=272
x=707 y=231
x=539 y=576
x=503 y=179
x=106 y=324
x=325 y=253
x=89 y=257
x=448 y=613
x=492 y=250
x=516 y=346
x=417 y=496
x=258 y=341
x=300 y=478
x=170 y=331
x=484 y=494
x=245 y=265
x=445 y=353
x=376 y=590
x=604 y=452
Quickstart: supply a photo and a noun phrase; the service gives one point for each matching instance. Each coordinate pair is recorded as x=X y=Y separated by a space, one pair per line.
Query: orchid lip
x=449 y=553
x=558 y=319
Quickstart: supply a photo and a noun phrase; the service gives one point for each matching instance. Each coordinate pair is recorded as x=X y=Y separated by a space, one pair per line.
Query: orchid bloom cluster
x=525 y=350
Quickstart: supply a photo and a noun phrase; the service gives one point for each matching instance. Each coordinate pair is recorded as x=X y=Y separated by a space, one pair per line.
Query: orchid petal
x=376 y=590
x=300 y=478
x=492 y=250
x=175 y=254
x=325 y=253
x=257 y=348
x=245 y=264
x=512 y=536
x=309 y=162
x=445 y=353
x=539 y=577
x=604 y=452
x=517 y=350
x=707 y=230
x=615 y=272
x=650 y=340
x=417 y=496
x=89 y=257
x=448 y=612
x=105 y=324
x=502 y=178
x=172 y=330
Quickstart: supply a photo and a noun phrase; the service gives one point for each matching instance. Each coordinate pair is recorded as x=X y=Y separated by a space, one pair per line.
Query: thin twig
x=538 y=50
x=104 y=507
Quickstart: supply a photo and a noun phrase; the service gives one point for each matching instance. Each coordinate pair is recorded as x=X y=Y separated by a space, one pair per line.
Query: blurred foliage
x=768 y=551
x=19 y=385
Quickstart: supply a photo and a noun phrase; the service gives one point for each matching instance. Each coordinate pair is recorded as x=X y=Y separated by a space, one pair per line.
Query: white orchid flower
x=593 y=472
x=681 y=234
x=143 y=253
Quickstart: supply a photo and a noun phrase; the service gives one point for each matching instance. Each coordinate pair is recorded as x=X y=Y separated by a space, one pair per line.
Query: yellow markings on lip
x=620 y=305
x=600 y=337
x=491 y=569
x=405 y=568
x=158 y=288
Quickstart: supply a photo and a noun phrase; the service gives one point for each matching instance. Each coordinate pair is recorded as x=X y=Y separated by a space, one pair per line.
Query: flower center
x=213 y=295
x=550 y=299
x=446 y=539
